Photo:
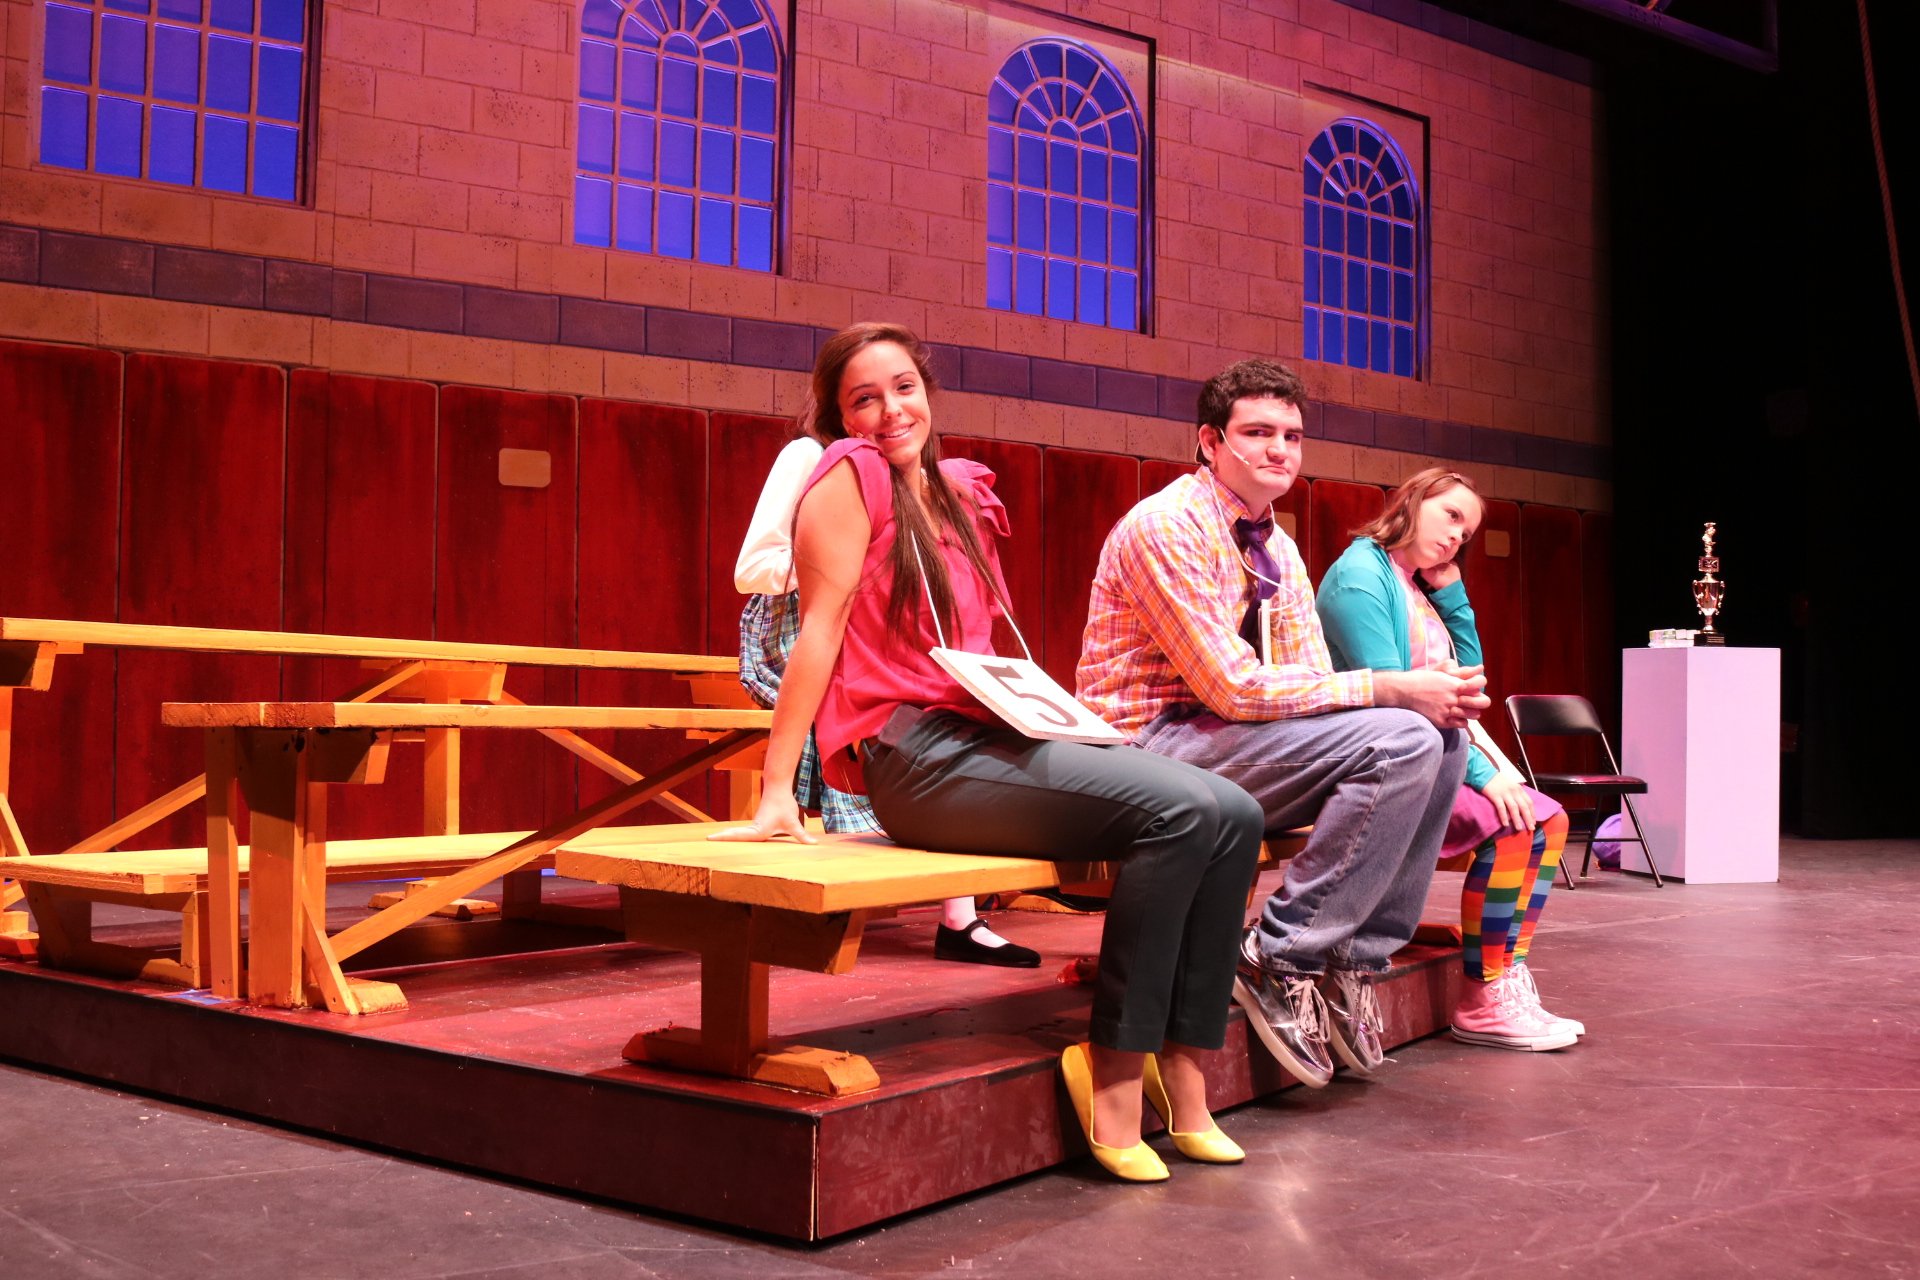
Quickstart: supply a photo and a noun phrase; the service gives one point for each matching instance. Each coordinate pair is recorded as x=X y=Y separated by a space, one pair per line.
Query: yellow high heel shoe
x=1137 y=1163
x=1211 y=1147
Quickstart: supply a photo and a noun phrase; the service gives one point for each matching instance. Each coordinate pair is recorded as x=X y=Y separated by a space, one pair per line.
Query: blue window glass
x=1360 y=298
x=1000 y=279
x=717 y=92
x=116 y=145
x=716 y=232
x=63 y=127
x=1063 y=164
x=232 y=15
x=1029 y=289
x=171 y=146
x=636 y=147
x=284 y=20
x=596 y=70
x=596 y=139
x=676 y=224
x=697 y=146
x=1123 y=300
x=716 y=163
x=276 y=155
x=756 y=237
x=176 y=63
x=592 y=211
x=676 y=153
x=224 y=166
x=69 y=47
x=280 y=82
x=123 y=54
x=245 y=59
x=636 y=219
x=229 y=73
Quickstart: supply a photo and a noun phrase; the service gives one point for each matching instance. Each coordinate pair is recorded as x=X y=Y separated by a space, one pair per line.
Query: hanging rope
x=1886 y=205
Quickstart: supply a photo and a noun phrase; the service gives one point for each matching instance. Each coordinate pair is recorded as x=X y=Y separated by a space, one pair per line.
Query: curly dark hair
x=1246 y=380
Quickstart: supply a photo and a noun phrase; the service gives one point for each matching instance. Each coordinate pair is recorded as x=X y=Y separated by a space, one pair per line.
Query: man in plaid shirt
x=1371 y=759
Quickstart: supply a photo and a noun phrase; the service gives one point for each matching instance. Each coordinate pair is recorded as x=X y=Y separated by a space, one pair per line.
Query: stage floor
x=507 y=1060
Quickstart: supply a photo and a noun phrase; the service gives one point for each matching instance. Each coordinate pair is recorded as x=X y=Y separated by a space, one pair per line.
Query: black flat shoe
x=960 y=945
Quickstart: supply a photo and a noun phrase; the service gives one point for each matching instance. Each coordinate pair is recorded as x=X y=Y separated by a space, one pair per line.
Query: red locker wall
x=505 y=573
x=201 y=523
x=360 y=552
x=60 y=443
x=1086 y=493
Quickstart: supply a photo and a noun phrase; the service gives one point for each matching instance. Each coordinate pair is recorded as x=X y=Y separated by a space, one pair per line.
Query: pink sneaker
x=1497 y=1014
x=1522 y=978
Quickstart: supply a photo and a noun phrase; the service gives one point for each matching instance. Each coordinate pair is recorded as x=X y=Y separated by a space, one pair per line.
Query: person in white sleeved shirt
x=768 y=627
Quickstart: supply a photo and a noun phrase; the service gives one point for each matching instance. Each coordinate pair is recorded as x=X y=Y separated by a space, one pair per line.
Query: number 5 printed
x=1006 y=675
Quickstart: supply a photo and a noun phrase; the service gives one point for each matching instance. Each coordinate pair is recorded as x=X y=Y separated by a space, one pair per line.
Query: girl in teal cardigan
x=1394 y=601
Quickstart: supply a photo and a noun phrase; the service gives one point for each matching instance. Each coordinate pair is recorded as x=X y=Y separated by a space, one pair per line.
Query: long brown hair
x=1393 y=528
x=821 y=419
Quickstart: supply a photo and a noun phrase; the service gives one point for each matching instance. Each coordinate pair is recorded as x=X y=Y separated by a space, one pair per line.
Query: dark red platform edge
x=801 y=1175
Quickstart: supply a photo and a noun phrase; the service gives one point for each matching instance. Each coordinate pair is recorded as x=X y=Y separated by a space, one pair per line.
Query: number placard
x=1023 y=695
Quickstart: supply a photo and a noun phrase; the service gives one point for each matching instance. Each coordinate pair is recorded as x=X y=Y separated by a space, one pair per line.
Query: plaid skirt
x=768 y=627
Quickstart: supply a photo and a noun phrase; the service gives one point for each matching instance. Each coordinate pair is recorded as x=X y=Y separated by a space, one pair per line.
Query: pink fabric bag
x=1475 y=821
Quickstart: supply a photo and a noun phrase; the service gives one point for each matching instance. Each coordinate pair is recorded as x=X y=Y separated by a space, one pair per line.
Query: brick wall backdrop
x=437 y=242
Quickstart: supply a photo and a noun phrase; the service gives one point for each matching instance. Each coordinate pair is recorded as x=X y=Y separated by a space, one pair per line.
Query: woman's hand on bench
x=778 y=815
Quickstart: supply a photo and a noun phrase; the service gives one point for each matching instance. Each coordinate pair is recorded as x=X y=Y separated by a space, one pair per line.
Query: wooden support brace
x=130 y=825
x=611 y=765
x=27 y=664
x=359 y=937
x=458 y=909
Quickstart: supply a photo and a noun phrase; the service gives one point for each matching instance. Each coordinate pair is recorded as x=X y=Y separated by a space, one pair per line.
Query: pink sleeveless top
x=878 y=669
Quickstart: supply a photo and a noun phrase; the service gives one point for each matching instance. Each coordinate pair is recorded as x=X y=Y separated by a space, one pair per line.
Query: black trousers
x=1187 y=842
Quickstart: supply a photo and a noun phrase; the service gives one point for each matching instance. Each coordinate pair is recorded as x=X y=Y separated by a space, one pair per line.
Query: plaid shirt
x=1163 y=625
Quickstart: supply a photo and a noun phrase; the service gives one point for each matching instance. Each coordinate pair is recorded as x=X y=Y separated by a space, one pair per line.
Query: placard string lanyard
x=1006 y=610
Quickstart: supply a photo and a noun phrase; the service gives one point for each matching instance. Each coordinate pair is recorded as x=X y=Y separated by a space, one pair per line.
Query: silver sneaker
x=1287 y=1013
x=1353 y=1016
x=1522 y=979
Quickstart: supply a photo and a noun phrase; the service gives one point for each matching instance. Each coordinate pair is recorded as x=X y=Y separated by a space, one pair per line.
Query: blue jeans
x=1186 y=841
x=1377 y=784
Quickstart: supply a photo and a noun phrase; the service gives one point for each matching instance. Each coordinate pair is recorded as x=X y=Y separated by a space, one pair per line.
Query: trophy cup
x=1708 y=591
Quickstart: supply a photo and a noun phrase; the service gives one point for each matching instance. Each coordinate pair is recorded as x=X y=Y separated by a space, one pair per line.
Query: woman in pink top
x=889 y=538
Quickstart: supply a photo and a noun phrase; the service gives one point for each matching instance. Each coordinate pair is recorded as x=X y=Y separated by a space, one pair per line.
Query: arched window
x=1064 y=226
x=1362 y=297
x=199 y=93
x=679 y=129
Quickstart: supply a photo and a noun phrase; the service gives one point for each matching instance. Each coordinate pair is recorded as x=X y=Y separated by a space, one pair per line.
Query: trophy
x=1708 y=591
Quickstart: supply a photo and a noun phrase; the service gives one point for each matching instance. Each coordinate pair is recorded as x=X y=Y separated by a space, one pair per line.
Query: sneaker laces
x=1309 y=1007
x=1522 y=977
x=1363 y=1000
x=1510 y=994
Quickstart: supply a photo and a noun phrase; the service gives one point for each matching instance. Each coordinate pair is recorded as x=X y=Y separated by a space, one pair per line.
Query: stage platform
x=507 y=1061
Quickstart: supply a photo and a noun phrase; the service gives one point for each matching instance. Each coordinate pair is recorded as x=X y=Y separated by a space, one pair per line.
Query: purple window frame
x=208 y=94
x=1363 y=270
x=1068 y=208
x=680 y=112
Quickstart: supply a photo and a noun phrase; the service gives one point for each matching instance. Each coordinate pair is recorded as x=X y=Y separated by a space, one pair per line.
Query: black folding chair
x=1568 y=715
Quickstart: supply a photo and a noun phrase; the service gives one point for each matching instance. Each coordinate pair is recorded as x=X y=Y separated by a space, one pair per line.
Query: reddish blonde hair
x=1393 y=528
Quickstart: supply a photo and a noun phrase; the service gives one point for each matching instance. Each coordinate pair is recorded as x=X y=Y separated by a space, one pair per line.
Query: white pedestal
x=1702 y=726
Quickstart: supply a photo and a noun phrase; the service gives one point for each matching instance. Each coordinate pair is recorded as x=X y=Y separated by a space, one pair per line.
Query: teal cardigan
x=1364 y=613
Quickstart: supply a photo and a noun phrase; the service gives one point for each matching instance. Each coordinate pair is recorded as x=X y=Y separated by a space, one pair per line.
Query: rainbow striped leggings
x=1506 y=887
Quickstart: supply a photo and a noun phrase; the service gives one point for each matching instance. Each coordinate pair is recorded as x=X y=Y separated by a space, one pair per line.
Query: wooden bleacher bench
x=63 y=887
x=744 y=907
x=281 y=756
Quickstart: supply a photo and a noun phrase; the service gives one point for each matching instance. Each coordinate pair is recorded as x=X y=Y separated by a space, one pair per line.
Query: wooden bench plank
x=311 y=644
x=407 y=715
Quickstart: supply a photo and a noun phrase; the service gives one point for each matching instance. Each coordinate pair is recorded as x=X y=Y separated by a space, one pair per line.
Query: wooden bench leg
x=221 y=959
x=736 y=945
